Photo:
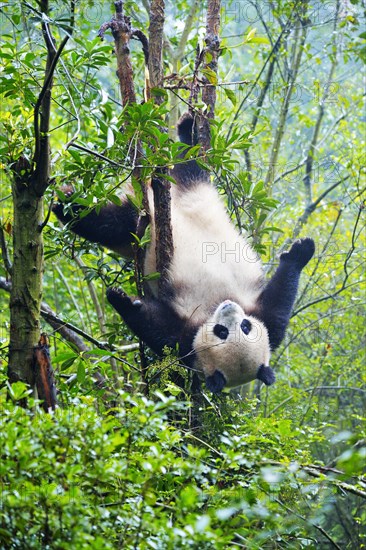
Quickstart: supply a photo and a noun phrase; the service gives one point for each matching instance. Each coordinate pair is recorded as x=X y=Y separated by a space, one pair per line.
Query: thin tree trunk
x=27 y=272
x=210 y=67
x=160 y=185
x=157 y=16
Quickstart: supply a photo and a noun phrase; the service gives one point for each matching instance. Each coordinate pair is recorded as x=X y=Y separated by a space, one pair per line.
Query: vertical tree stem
x=210 y=65
x=160 y=186
x=26 y=292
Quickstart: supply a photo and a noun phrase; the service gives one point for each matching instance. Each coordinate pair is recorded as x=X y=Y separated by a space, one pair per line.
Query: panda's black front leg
x=153 y=321
x=276 y=301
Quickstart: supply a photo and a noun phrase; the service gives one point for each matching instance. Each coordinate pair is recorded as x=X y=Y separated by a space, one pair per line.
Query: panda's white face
x=233 y=343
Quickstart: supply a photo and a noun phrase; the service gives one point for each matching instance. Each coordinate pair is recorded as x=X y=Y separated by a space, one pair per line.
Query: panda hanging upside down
x=220 y=312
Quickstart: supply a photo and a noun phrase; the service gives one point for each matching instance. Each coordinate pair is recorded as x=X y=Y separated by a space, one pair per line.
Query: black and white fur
x=221 y=313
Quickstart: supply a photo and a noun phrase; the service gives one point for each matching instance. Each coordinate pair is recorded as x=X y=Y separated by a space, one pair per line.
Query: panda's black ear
x=215 y=382
x=266 y=375
x=187 y=130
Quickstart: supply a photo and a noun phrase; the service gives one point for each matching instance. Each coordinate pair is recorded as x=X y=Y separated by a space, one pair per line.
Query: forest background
x=130 y=459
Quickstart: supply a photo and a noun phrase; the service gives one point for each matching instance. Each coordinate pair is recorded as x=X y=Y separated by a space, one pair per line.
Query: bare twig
x=286 y=29
x=315 y=525
x=94 y=296
x=74 y=301
x=302 y=220
x=69 y=331
x=259 y=106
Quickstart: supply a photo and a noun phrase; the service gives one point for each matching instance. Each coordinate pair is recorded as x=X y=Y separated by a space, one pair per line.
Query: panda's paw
x=67 y=190
x=266 y=375
x=215 y=382
x=58 y=207
x=300 y=252
x=119 y=299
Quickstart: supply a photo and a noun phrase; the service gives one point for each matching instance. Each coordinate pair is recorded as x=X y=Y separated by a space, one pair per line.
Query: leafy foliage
x=125 y=477
x=114 y=467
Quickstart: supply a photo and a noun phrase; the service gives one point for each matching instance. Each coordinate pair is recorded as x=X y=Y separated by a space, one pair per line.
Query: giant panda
x=219 y=311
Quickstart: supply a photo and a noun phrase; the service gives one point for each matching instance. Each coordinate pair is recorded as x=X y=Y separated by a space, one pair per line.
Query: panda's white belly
x=211 y=262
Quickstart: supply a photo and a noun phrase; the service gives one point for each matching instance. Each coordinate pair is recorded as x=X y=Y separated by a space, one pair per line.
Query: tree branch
x=160 y=185
x=311 y=152
x=302 y=220
x=68 y=331
x=259 y=106
x=43 y=106
x=243 y=101
x=211 y=55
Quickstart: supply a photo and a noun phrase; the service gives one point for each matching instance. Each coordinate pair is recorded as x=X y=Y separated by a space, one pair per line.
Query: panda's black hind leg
x=111 y=226
x=187 y=173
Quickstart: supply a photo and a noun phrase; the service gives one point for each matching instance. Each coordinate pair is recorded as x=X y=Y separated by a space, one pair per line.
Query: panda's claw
x=111 y=291
x=117 y=297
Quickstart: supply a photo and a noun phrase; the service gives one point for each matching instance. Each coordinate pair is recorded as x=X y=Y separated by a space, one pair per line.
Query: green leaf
x=230 y=94
x=81 y=372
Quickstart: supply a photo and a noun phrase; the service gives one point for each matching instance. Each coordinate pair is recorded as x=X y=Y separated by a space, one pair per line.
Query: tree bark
x=160 y=186
x=212 y=42
x=27 y=272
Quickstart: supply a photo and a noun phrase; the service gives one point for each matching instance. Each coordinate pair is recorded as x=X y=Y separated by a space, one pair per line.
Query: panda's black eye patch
x=221 y=331
x=246 y=326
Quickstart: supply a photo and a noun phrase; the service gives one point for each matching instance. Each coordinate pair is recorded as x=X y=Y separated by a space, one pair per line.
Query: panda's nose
x=227 y=303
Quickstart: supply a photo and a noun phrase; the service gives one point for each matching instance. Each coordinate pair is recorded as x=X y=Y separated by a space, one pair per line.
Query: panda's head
x=232 y=348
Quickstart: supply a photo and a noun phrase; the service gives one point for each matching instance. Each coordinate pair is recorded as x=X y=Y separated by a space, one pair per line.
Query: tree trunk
x=29 y=184
x=26 y=292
